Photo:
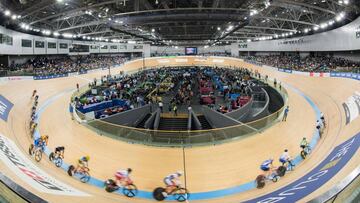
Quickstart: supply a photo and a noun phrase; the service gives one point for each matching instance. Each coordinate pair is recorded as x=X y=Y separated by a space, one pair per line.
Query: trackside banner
x=29 y=173
x=352 y=107
x=5 y=107
x=313 y=180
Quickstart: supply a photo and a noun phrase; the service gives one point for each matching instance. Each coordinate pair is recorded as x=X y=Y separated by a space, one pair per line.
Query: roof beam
x=215 y=3
x=74 y=10
x=92 y=23
x=147 y=4
x=37 y=7
x=279 y=2
x=95 y=33
x=286 y=20
x=270 y=28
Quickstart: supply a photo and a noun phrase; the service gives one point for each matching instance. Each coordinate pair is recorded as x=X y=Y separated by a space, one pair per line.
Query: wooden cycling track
x=207 y=168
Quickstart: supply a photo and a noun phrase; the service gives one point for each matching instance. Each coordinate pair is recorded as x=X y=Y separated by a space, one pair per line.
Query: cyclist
x=303 y=143
x=33 y=127
x=33 y=94
x=122 y=177
x=172 y=181
x=82 y=163
x=319 y=127
x=41 y=142
x=59 y=151
x=267 y=167
x=285 y=158
x=322 y=117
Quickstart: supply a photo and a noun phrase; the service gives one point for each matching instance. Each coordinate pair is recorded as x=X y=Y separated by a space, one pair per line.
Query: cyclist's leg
x=169 y=185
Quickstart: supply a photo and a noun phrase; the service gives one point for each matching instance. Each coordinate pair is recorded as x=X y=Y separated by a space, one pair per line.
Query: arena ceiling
x=180 y=22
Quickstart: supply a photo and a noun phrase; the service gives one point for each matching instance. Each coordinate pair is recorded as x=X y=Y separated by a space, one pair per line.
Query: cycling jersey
x=170 y=180
x=83 y=161
x=303 y=143
x=265 y=166
x=284 y=157
x=122 y=174
x=39 y=143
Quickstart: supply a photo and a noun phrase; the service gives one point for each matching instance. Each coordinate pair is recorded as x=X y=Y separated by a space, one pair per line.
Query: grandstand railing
x=185 y=137
x=347 y=190
x=12 y=192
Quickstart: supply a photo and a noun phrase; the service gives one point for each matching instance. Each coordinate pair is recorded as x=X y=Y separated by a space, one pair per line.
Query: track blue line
x=194 y=196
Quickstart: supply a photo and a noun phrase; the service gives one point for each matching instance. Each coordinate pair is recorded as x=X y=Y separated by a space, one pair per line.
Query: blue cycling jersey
x=266 y=164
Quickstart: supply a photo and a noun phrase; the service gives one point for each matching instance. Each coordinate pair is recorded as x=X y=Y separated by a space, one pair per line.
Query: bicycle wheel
x=85 y=177
x=31 y=149
x=51 y=156
x=260 y=181
x=58 y=162
x=275 y=178
x=70 y=170
x=303 y=154
x=157 y=194
x=181 y=194
x=38 y=155
x=130 y=190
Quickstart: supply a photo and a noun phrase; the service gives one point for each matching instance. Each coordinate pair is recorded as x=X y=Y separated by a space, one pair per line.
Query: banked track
x=208 y=168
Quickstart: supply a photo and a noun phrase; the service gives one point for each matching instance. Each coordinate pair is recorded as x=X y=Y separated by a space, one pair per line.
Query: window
x=94 y=47
x=104 y=47
x=113 y=47
x=39 y=44
x=138 y=46
x=6 y=39
x=26 y=43
x=122 y=47
x=63 y=45
x=52 y=45
x=79 y=48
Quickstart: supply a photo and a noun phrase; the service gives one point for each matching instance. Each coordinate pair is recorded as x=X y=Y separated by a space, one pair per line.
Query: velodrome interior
x=211 y=169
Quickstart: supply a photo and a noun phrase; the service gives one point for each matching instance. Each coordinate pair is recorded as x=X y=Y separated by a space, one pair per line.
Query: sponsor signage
x=218 y=60
x=294 y=41
x=181 y=60
x=352 y=107
x=355 y=76
x=5 y=107
x=82 y=72
x=285 y=70
x=357 y=33
x=50 y=76
x=201 y=60
x=163 y=61
x=316 y=178
x=29 y=173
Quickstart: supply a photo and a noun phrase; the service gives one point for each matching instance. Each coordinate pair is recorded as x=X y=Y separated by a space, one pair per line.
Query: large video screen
x=190 y=50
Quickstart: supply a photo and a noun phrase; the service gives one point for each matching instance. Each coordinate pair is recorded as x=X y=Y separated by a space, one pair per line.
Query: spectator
x=285 y=113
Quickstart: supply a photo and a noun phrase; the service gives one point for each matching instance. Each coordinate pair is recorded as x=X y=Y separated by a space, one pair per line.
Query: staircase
x=173 y=124
x=143 y=121
x=204 y=123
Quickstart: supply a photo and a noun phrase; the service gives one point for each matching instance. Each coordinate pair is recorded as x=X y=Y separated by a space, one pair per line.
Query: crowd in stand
x=149 y=85
x=42 y=66
x=309 y=63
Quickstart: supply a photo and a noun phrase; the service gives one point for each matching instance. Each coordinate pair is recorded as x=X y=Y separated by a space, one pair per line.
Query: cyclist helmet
x=87 y=158
x=44 y=137
x=285 y=150
x=129 y=170
x=179 y=173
